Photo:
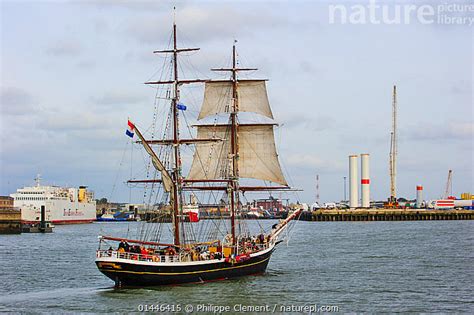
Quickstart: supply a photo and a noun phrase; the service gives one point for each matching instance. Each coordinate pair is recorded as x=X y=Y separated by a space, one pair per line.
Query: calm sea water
x=358 y=266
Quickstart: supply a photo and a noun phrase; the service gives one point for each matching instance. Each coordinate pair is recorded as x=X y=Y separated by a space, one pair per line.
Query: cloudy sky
x=73 y=71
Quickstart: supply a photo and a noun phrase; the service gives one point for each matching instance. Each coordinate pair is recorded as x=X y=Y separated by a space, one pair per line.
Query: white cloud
x=86 y=64
x=118 y=98
x=462 y=87
x=61 y=120
x=310 y=161
x=142 y=5
x=16 y=101
x=202 y=23
x=310 y=122
x=447 y=131
x=65 y=48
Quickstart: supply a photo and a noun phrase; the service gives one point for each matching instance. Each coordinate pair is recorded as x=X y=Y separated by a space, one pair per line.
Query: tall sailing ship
x=227 y=156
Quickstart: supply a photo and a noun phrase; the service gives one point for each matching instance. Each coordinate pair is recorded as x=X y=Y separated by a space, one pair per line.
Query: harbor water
x=421 y=266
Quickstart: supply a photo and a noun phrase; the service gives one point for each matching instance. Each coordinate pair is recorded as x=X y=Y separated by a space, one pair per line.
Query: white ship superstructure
x=62 y=205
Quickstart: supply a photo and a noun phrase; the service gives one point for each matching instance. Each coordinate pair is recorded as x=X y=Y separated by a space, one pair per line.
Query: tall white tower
x=353 y=182
x=365 y=180
x=419 y=196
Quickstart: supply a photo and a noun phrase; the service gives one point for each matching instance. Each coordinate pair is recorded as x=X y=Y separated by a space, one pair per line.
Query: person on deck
x=122 y=244
x=144 y=253
x=170 y=251
x=194 y=255
x=204 y=256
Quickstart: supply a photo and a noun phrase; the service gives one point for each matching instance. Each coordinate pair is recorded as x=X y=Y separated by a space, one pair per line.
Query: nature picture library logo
x=387 y=12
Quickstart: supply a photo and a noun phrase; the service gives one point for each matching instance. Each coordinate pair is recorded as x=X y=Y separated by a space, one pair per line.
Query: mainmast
x=233 y=186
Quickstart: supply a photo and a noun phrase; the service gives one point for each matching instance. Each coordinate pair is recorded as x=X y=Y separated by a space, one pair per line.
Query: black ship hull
x=137 y=274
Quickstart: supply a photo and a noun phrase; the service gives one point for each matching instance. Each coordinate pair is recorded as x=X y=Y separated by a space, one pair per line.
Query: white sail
x=252 y=96
x=211 y=159
x=257 y=154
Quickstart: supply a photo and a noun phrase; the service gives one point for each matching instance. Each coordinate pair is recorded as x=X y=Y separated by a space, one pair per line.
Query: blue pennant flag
x=181 y=106
x=129 y=133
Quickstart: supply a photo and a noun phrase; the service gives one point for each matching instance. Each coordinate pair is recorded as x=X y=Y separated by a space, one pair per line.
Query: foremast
x=177 y=179
x=177 y=196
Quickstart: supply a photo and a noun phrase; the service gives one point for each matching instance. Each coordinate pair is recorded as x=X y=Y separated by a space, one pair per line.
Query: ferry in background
x=62 y=205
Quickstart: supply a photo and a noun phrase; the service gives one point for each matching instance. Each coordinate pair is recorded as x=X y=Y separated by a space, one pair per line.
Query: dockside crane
x=392 y=201
x=449 y=186
x=317 y=189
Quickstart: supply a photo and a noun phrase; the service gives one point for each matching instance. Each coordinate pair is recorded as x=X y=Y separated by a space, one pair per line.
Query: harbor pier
x=10 y=217
x=10 y=221
x=387 y=215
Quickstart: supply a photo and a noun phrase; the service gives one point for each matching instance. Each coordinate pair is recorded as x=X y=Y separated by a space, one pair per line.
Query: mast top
x=175 y=50
x=174 y=15
x=234 y=68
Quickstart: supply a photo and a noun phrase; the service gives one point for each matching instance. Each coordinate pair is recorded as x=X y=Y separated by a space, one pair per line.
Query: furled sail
x=257 y=154
x=165 y=176
x=252 y=96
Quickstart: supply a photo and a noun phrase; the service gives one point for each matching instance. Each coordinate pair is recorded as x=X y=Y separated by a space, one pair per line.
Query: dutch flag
x=130 y=129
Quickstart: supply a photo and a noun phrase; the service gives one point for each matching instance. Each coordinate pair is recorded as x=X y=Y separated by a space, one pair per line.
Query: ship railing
x=156 y=257
x=254 y=248
x=138 y=257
